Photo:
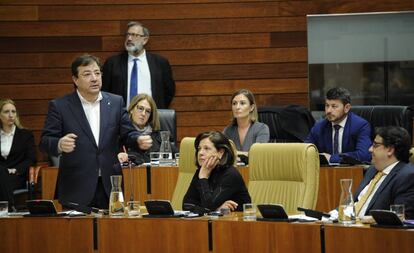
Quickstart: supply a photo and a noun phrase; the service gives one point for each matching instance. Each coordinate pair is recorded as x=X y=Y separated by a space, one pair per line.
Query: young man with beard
x=137 y=71
x=341 y=132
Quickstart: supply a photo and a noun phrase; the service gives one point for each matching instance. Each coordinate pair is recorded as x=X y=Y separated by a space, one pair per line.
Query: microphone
x=131 y=158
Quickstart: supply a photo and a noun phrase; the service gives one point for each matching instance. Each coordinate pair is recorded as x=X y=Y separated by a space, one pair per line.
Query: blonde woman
x=17 y=151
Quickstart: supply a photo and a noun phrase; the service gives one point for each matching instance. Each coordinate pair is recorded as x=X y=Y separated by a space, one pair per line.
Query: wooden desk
x=44 y=235
x=152 y=235
x=239 y=236
x=341 y=239
x=163 y=180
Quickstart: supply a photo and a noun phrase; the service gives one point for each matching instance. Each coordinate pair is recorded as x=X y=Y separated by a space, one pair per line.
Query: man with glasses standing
x=137 y=71
x=84 y=128
x=390 y=180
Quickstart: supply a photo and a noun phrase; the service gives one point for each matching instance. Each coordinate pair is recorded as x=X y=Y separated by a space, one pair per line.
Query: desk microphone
x=131 y=176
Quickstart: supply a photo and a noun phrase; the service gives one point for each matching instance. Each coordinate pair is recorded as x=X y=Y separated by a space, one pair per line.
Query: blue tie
x=336 y=139
x=134 y=81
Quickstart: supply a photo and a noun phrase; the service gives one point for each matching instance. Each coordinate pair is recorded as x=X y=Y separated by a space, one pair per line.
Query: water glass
x=166 y=159
x=134 y=208
x=177 y=159
x=155 y=158
x=249 y=212
x=4 y=208
x=399 y=210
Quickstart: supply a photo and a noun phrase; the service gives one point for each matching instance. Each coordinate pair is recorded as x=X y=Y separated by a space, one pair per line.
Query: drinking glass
x=249 y=212
x=155 y=158
x=4 y=208
x=134 y=208
x=399 y=210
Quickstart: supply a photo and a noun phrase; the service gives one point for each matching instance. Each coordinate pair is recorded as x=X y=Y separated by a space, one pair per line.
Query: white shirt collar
x=342 y=123
x=389 y=168
x=141 y=57
x=2 y=132
x=84 y=101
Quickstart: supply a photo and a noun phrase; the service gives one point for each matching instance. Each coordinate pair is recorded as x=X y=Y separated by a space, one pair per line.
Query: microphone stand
x=131 y=181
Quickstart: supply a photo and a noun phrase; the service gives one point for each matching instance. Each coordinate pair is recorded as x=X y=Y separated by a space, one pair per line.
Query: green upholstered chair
x=186 y=170
x=284 y=173
x=412 y=155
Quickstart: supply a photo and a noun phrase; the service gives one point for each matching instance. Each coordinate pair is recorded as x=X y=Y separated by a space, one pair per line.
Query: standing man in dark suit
x=137 y=71
x=341 y=132
x=391 y=178
x=84 y=127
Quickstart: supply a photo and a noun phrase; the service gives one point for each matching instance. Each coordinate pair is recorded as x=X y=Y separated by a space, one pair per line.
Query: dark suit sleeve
x=363 y=143
x=107 y=76
x=29 y=157
x=404 y=193
x=169 y=83
x=312 y=136
x=128 y=133
x=52 y=130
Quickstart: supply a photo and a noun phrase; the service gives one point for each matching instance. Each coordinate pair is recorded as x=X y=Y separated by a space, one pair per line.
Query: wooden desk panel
x=46 y=235
x=163 y=180
x=341 y=239
x=49 y=178
x=330 y=188
x=283 y=237
x=152 y=235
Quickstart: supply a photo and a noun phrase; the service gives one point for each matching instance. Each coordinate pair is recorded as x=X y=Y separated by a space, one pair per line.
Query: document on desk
x=302 y=217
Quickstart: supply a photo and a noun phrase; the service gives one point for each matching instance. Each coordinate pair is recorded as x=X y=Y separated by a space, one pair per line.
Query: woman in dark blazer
x=17 y=151
x=144 y=116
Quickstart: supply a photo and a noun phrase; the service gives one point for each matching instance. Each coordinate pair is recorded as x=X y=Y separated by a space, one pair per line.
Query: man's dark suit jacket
x=22 y=155
x=356 y=138
x=78 y=170
x=397 y=188
x=115 y=78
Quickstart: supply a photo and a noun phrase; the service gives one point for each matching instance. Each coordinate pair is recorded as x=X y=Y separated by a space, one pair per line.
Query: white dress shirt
x=92 y=112
x=340 y=135
x=144 y=75
x=6 y=140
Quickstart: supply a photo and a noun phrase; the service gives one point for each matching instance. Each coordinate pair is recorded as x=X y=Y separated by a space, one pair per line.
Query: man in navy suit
x=152 y=75
x=395 y=184
x=341 y=132
x=84 y=127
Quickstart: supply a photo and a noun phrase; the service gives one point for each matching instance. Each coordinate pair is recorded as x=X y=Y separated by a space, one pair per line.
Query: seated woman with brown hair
x=17 y=151
x=144 y=116
x=216 y=183
x=245 y=129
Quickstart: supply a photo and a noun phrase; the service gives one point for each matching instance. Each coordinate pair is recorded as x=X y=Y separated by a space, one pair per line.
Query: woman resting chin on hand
x=216 y=183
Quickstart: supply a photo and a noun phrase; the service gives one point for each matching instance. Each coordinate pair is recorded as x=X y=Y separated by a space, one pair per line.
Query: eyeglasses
x=134 y=35
x=142 y=109
x=88 y=75
x=377 y=144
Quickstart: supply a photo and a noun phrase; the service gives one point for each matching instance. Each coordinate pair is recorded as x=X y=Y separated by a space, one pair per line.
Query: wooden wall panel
x=50 y=44
x=111 y=2
x=215 y=47
x=228 y=87
x=195 y=41
x=12 y=13
x=66 y=28
x=244 y=71
x=183 y=11
x=230 y=25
